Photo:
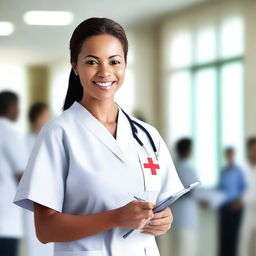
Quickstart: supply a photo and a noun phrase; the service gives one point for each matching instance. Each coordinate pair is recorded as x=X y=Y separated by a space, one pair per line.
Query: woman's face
x=100 y=66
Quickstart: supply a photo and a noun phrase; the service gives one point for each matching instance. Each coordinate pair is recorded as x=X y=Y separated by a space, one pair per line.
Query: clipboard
x=168 y=201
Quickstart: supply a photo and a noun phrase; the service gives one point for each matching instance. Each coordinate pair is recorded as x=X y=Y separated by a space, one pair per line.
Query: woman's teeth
x=104 y=85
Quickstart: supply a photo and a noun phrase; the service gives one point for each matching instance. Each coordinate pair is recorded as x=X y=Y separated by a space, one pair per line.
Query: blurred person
x=13 y=159
x=232 y=183
x=185 y=210
x=38 y=115
x=248 y=234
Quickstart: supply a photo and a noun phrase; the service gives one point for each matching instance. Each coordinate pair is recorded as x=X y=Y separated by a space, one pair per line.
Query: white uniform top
x=249 y=195
x=13 y=160
x=78 y=167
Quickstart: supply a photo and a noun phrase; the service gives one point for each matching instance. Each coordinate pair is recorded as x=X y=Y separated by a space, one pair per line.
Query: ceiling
x=42 y=44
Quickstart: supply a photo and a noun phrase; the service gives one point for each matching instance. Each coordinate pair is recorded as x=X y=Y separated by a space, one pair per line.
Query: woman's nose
x=104 y=70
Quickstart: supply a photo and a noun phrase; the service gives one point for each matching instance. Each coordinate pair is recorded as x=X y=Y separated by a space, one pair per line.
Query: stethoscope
x=135 y=132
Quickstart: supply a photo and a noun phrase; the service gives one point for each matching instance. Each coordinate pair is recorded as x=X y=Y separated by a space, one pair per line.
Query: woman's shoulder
x=58 y=124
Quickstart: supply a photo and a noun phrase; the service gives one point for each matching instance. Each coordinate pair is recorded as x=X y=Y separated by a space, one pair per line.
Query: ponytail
x=75 y=90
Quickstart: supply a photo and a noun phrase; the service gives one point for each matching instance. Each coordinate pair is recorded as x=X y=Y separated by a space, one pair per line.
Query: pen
x=139 y=199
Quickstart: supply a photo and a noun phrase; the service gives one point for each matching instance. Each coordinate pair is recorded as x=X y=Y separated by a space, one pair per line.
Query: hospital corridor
x=173 y=103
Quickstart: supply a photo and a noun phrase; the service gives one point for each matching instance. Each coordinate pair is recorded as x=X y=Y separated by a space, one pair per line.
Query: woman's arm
x=53 y=226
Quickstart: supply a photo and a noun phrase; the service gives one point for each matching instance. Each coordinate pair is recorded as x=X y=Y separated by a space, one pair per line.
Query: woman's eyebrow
x=96 y=57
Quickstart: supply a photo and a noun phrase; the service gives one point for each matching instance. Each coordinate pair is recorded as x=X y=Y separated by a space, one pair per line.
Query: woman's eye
x=91 y=62
x=114 y=62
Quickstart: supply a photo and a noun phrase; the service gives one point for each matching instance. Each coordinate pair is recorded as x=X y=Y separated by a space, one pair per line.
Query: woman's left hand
x=159 y=224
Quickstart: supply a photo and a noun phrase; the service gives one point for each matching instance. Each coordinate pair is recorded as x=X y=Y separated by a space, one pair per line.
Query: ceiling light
x=50 y=18
x=6 y=28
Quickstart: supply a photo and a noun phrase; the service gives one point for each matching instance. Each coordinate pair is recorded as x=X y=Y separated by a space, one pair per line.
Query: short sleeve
x=16 y=152
x=44 y=178
x=171 y=183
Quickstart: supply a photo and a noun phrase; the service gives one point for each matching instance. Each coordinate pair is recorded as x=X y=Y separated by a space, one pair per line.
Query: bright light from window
x=6 y=28
x=54 y=18
x=181 y=50
x=205 y=127
x=232 y=108
x=232 y=35
x=205 y=45
x=179 y=106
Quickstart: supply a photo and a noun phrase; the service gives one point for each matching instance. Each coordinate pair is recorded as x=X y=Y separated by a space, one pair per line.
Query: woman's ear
x=74 y=68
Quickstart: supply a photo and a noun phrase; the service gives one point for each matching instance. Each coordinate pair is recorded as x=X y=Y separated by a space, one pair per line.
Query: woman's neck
x=104 y=110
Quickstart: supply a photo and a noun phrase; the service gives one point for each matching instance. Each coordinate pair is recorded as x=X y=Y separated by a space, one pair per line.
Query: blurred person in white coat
x=248 y=235
x=39 y=114
x=13 y=159
x=185 y=210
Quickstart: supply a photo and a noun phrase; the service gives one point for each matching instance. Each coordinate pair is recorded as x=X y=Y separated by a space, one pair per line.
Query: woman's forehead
x=102 y=46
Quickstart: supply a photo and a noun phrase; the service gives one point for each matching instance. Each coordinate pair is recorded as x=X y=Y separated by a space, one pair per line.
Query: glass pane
x=179 y=109
x=125 y=95
x=181 y=50
x=232 y=108
x=205 y=45
x=205 y=127
x=232 y=37
x=13 y=78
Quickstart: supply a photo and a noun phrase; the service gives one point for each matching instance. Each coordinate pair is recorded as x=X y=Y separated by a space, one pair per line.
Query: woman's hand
x=135 y=214
x=159 y=224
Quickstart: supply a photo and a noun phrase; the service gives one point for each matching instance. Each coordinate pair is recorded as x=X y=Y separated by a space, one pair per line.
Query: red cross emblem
x=151 y=166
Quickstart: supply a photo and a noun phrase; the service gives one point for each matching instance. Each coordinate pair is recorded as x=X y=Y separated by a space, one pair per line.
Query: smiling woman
x=90 y=162
x=112 y=53
x=101 y=75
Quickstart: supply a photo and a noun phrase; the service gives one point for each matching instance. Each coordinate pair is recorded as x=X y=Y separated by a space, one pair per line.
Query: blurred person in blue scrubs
x=13 y=159
x=38 y=115
x=232 y=183
x=248 y=234
x=185 y=210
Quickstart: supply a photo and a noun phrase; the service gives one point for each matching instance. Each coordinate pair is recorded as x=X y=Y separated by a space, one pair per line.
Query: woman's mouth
x=104 y=85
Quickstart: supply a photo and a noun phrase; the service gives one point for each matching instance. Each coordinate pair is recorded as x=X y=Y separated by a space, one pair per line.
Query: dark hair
x=89 y=27
x=36 y=110
x=7 y=98
x=250 y=142
x=183 y=146
x=229 y=150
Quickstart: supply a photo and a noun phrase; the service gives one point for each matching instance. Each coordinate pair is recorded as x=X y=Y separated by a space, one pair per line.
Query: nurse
x=86 y=166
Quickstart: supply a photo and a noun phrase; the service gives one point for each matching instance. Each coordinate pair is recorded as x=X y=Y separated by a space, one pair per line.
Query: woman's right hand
x=135 y=215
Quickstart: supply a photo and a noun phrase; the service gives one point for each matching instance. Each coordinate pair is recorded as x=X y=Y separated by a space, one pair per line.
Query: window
x=205 y=84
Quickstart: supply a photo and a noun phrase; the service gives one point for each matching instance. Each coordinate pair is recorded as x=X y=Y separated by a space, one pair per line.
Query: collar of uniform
x=117 y=146
x=6 y=121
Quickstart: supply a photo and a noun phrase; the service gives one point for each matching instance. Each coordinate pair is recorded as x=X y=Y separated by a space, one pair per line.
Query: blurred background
x=190 y=73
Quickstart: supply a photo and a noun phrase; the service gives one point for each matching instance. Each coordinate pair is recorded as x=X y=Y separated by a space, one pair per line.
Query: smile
x=104 y=86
